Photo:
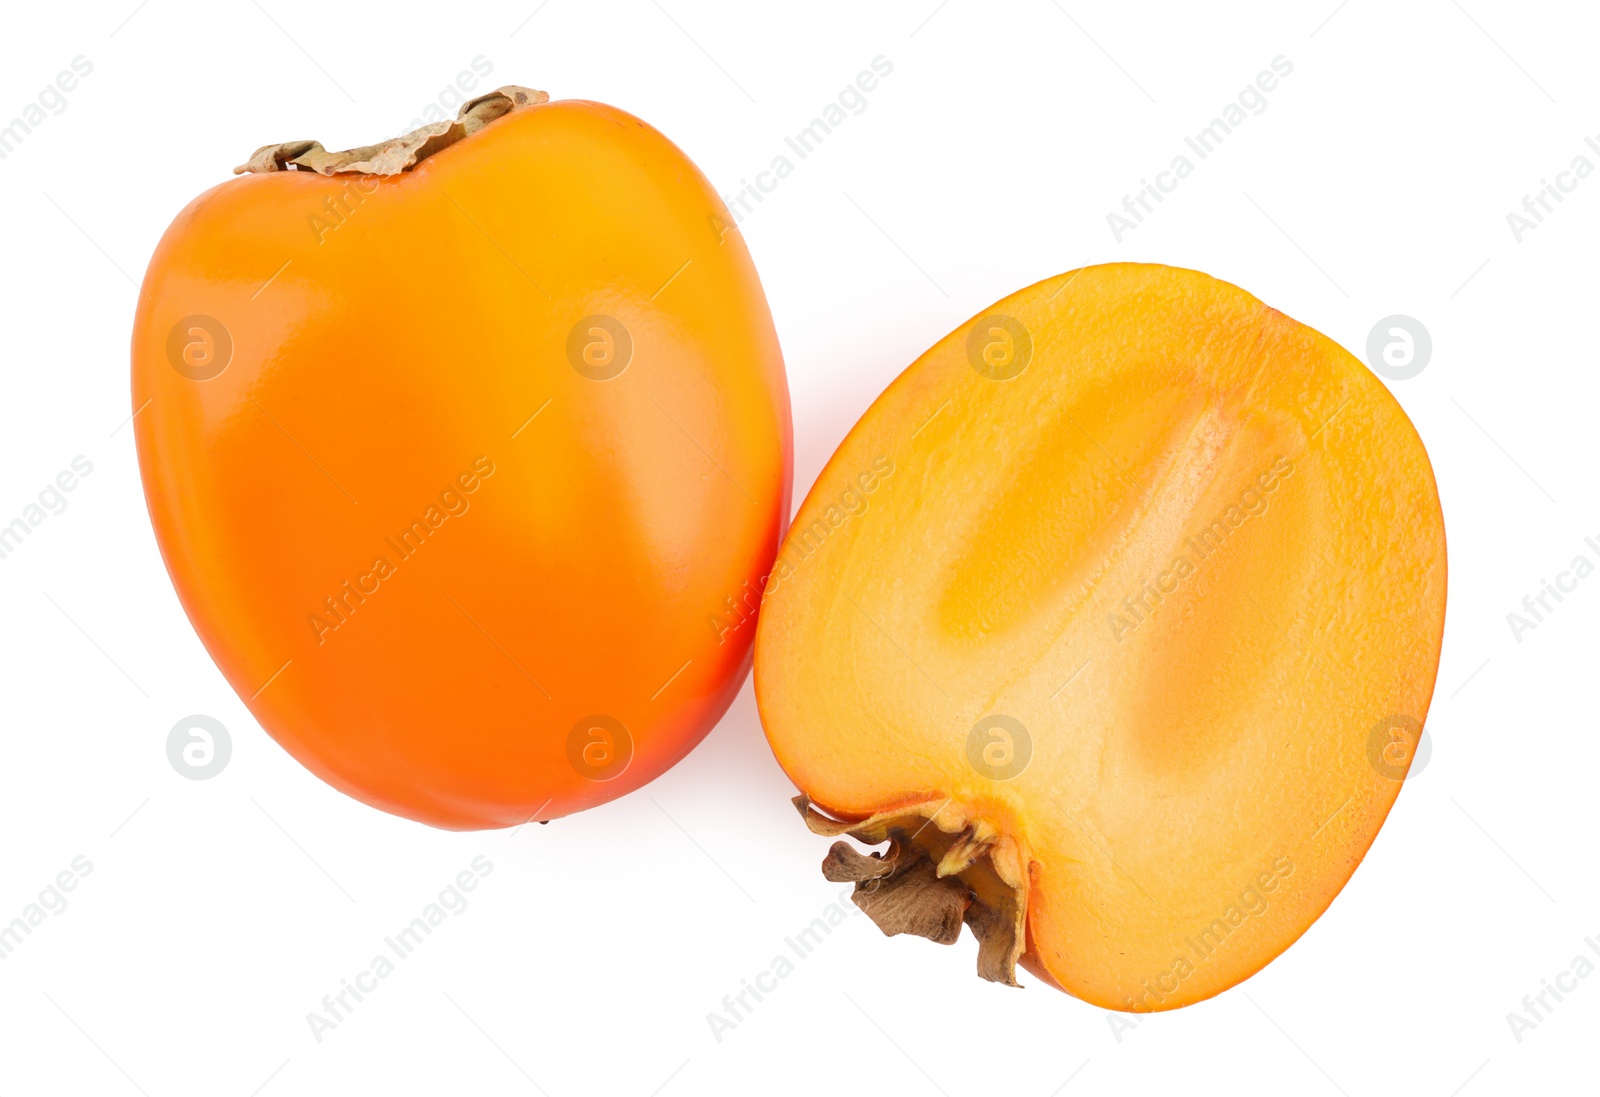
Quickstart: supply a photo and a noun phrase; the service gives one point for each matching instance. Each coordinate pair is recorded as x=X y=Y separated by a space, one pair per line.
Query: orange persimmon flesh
x=1117 y=614
x=497 y=442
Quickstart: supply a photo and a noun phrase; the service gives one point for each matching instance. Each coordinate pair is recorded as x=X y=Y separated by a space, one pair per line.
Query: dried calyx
x=398 y=154
x=943 y=868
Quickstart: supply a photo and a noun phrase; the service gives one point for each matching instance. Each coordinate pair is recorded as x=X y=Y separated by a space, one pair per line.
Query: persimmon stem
x=942 y=869
x=398 y=154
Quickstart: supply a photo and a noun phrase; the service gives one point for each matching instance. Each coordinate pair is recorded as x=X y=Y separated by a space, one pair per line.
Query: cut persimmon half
x=1117 y=617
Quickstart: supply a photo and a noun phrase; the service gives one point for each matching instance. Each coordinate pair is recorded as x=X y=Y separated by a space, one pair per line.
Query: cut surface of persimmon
x=1117 y=615
x=462 y=450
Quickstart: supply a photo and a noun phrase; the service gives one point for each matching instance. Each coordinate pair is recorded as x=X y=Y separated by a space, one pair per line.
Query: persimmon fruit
x=1117 y=616
x=464 y=452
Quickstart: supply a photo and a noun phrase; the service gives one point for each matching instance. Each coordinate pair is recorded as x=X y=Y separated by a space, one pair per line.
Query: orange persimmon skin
x=404 y=358
x=1193 y=548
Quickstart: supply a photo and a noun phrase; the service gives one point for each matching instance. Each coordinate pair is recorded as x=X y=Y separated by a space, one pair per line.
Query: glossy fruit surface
x=1118 y=613
x=462 y=474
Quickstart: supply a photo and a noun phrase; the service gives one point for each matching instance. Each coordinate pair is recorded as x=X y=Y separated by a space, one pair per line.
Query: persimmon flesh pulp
x=1117 y=614
x=464 y=456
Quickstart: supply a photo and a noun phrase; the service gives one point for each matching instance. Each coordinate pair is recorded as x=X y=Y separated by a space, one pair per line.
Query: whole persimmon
x=1117 y=616
x=465 y=451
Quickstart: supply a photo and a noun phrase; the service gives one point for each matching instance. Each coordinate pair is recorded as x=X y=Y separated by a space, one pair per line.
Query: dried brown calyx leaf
x=398 y=154
x=944 y=867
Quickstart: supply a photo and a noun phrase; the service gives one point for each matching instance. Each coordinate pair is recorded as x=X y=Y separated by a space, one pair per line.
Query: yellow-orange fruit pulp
x=1118 y=615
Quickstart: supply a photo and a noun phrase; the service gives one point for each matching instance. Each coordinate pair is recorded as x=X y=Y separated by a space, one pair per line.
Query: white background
x=218 y=913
